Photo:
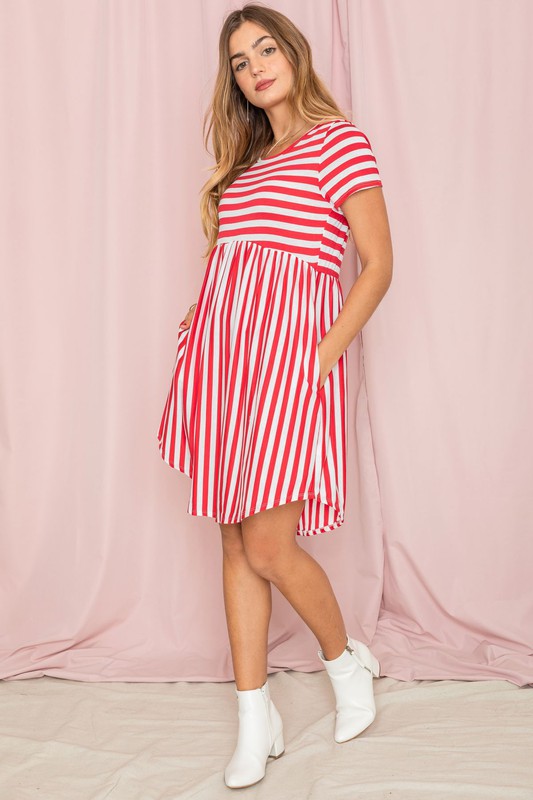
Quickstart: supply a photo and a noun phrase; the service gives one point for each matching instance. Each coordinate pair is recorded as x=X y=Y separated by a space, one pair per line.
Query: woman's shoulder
x=341 y=130
x=338 y=123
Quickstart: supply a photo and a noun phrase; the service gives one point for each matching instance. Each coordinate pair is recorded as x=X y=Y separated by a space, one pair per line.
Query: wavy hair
x=239 y=130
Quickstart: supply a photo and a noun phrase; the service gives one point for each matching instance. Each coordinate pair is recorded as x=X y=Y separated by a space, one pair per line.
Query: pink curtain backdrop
x=104 y=576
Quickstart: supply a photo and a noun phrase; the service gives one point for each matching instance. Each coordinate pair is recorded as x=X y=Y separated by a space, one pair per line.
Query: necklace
x=280 y=140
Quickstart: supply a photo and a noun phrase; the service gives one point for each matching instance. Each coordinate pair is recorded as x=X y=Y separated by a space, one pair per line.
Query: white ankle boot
x=351 y=676
x=260 y=736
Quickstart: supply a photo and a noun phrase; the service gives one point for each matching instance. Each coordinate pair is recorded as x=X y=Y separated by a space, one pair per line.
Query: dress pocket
x=317 y=357
x=181 y=344
x=314 y=363
x=182 y=338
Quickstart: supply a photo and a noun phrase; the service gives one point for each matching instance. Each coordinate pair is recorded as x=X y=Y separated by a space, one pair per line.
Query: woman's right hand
x=187 y=321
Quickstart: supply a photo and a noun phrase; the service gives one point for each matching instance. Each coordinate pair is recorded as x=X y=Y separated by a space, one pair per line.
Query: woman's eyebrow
x=254 y=44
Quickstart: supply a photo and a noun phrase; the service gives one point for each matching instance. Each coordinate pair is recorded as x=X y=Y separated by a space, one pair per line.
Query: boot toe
x=239 y=774
x=347 y=728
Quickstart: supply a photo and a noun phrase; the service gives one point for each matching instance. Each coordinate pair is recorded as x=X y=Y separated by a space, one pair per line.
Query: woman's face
x=263 y=62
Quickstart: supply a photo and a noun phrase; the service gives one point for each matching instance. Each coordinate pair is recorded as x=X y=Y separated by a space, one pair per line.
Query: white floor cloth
x=72 y=740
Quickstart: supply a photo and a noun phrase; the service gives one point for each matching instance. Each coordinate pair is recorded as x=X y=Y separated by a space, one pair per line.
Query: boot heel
x=374 y=663
x=368 y=659
x=278 y=748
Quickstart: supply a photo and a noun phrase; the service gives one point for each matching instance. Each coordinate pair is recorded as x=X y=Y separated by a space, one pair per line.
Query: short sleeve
x=347 y=163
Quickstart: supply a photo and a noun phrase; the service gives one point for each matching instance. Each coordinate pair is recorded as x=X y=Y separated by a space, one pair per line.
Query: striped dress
x=245 y=417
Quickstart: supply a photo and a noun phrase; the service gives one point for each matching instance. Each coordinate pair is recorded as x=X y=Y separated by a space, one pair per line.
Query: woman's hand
x=187 y=321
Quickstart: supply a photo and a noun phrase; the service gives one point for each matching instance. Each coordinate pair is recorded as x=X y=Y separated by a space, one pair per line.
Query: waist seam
x=316 y=267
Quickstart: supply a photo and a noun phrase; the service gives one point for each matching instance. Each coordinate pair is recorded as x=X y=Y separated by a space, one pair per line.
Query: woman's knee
x=266 y=561
x=232 y=541
x=269 y=539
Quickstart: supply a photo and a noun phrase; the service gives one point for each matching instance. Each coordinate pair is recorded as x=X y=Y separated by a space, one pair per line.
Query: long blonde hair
x=238 y=141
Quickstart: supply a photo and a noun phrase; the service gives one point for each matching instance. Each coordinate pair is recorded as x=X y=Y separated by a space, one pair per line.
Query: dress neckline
x=286 y=150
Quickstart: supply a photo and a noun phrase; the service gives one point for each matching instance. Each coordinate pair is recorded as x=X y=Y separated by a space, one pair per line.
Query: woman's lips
x=265 y=85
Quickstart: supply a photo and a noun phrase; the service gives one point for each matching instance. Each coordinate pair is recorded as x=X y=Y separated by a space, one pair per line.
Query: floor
x=74 y=740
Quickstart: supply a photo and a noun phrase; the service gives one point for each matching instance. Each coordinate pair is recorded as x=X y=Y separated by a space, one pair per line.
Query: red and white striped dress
x=245 y=418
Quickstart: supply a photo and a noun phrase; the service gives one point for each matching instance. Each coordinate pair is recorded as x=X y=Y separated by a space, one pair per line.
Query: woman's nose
x=255 y=68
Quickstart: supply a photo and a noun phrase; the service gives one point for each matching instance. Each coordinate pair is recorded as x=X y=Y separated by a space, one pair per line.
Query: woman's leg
x=270 y=545
x=248 y=606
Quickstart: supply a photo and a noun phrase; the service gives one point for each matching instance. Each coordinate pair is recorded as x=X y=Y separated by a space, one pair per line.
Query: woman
x=255 y=415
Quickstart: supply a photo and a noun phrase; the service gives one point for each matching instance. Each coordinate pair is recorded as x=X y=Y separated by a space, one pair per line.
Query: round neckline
x=282 y=152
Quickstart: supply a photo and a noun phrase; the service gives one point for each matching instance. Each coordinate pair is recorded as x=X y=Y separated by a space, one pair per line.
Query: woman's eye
x=237 y=68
